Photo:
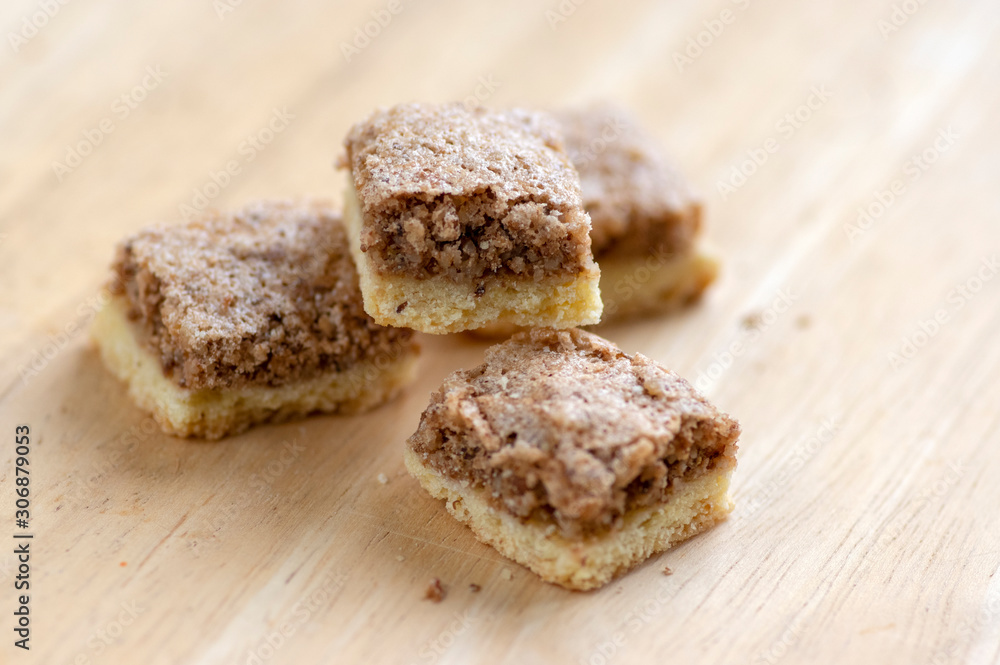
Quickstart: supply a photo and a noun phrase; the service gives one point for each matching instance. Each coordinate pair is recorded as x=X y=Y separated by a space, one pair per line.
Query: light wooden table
x=867 y=526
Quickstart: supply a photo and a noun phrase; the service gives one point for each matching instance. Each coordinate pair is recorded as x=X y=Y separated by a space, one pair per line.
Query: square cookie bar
x=645 y=219
x=461 y=218
x=573 y=458
x=251 y=316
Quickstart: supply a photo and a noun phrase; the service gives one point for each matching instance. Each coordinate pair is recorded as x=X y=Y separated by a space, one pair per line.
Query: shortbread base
x=632 y=287
x=439 y=305
x=590 y=562
x=215 y=413
x=641 y=286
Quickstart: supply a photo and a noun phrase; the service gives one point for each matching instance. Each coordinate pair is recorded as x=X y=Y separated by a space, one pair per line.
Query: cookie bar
x=460 y=218
x=241 y=318
x=645 y=219
x=573 y=458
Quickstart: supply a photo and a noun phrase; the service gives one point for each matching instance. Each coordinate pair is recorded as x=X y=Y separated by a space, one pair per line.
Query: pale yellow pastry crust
x=590 y=562
x=633 y=287
x=640 y=286
x=215 y=413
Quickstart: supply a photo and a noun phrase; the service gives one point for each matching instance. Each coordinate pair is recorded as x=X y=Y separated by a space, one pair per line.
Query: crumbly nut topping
x=564 y=426
x=264 y=295
x=637 y=201
x=444 y=190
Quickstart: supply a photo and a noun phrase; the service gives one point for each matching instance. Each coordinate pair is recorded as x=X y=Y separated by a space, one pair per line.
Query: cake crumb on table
x=753 y=321
x=475 y=588
x=667 y=571
x=435 y=592
x=506 y=575
x=383 y=479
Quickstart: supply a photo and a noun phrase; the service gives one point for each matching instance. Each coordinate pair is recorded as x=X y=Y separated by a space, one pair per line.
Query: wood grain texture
x=866 y=527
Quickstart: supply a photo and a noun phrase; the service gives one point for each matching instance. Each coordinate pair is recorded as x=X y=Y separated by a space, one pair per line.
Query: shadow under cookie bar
x=460 y=218
x=573 y=458
x=247 y=317
x=645 y=218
